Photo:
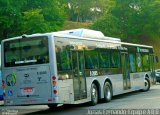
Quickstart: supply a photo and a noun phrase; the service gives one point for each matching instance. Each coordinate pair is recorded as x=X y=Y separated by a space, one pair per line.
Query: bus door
x=79 y=80
x=125 y=71
x=152 y=68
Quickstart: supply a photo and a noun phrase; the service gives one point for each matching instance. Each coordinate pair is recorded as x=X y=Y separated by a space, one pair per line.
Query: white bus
x=73 y=67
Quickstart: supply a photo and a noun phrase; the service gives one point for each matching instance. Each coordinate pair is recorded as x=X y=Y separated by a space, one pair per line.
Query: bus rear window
x=26 y=51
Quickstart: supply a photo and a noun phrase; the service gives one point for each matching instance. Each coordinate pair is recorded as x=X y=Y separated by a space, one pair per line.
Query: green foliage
x=10 y=16
x=29 y=20
x=131 y=20
x=45 y=17
x=19 y=17
x=84 y=10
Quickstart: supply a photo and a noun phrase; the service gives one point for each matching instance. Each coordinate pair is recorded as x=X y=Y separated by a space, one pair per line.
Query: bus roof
x=88 y=34
x=103 y=40
x=85 y=34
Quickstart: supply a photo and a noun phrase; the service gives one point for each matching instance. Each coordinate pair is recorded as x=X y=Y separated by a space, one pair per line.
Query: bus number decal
x=41 y=72
x=93 y=73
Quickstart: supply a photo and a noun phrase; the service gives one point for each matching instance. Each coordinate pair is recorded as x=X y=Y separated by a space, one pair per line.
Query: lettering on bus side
x=93 y=73
x=144 y=50
x=41 y=79
x=41 y=72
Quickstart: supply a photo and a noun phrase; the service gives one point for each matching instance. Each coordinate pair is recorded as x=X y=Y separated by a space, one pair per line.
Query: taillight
x=4 y=94
x=54 y=91
x=54 y=84
x=54 y=78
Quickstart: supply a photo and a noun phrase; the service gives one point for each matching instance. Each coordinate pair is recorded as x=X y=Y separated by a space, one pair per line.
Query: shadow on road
x=66 y=108
x=63 y=108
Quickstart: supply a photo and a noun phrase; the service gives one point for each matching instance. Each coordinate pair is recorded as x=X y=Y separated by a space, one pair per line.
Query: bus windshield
x=26 y=51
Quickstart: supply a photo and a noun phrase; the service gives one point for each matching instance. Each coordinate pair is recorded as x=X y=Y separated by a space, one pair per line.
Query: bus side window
x=157 y=59
x=115 y=59
x=139 y=62
x=63 y=61
x=104 y=59
x=132 y=61
x=145 y=60
x=88 y=62
x=91 y=59
x=58 y=61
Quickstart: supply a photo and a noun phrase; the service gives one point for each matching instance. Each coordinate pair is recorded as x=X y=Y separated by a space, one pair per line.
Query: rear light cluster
x=3 y=86
x=55 y=91
x=54 y=84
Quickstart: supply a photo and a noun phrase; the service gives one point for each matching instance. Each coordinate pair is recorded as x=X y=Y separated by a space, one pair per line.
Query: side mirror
x=156 y=58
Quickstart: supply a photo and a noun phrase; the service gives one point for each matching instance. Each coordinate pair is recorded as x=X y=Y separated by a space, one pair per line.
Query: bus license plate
x=28 y=89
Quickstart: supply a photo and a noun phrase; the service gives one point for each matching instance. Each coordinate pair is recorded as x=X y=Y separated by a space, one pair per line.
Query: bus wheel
x=147 y=84
x=94 y=95
x=107 y=92
x=52 y=106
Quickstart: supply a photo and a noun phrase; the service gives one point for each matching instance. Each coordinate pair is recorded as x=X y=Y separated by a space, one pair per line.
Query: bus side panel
x=65 y=94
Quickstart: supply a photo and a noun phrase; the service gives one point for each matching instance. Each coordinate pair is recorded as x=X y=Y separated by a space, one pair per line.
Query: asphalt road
x=146 y=102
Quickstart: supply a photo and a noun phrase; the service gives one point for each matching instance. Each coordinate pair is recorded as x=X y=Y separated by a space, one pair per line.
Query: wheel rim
x=146 y=84
x=94 y=94
x=108 y=93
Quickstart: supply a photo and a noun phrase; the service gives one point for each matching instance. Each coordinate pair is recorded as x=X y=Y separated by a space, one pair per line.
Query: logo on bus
x=93 y=73
x=26 y=75
x=11 y=79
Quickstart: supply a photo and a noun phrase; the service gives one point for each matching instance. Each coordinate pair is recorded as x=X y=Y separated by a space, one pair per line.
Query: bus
x=72 y=67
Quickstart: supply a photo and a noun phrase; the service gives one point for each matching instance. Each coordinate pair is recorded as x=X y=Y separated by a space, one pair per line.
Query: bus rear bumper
x=30 y=101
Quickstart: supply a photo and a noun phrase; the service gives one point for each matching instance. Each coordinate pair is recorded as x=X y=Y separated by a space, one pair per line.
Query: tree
x=45 y=16
x=131 y=20
x=84 y=10
x=10 y=17
x=27 y=17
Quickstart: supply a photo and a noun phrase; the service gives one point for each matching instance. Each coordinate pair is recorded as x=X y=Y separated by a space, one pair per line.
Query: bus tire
x=107 y=89
x=147 y=84
x=94 y=95
x=52 y=106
